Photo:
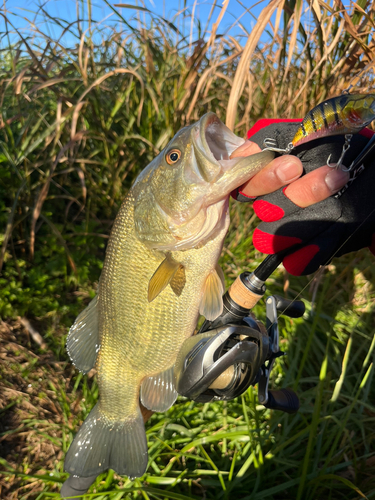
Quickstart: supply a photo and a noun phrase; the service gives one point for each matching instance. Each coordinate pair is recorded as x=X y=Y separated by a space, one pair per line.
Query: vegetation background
x=85 y=105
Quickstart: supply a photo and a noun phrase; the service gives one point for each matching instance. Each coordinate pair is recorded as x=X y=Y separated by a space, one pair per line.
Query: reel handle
x=285 y=400
x=291 y=308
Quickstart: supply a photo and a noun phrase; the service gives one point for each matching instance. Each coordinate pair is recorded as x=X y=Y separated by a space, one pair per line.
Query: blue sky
x=22 y=11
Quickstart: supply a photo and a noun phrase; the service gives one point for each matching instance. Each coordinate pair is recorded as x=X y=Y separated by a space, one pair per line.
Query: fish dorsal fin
x=162 y=276
x=211 y=304
x=178 y=281
x=158 y=392
x=82 y=343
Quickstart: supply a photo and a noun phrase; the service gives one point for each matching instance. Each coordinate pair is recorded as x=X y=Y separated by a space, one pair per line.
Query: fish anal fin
x=211 y=304
x=162 y=277
x=83 y=343
x=178 y=281
x=158 y=392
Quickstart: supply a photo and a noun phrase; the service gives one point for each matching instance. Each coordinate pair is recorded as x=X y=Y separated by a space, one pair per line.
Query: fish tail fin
x=102 y=444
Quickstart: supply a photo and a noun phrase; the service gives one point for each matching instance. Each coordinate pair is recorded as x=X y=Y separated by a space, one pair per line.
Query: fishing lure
x=346 y=114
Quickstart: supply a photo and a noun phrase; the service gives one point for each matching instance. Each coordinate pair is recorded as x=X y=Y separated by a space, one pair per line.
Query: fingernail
x=288 y=171
x=336 y=179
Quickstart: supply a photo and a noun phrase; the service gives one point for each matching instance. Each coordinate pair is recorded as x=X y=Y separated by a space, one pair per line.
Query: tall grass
x=81 y=114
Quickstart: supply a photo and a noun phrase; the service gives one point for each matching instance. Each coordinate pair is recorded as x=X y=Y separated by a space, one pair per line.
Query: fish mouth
x=218 y=139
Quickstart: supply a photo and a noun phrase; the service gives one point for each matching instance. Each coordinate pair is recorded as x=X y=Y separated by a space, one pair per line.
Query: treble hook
x=346 y=146
x=271 y=146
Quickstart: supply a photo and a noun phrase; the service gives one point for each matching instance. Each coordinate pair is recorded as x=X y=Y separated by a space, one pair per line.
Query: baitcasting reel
x=221 y=363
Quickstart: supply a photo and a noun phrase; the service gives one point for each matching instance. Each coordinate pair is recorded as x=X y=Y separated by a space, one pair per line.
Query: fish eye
x=173 y=156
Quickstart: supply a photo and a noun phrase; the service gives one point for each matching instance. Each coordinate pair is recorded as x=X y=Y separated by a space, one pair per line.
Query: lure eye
x=173 y=156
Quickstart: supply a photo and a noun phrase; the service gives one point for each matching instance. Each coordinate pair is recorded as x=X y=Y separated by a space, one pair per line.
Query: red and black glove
x=311 y=237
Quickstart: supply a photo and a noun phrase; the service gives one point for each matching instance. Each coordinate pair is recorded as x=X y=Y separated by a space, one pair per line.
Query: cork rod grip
x=242 y=296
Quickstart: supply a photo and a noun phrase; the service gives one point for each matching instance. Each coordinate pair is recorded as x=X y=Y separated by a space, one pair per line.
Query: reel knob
x=284 y=399
x=291 y=308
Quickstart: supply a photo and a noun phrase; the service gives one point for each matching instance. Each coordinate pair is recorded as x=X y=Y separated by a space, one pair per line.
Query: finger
x=298 y=229
x=318 y=252
x=280 y=172
x=316 y=186
x=306 y=260
x=248 y=148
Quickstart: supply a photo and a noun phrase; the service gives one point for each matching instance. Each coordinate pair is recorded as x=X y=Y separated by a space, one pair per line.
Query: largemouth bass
x=160 y=273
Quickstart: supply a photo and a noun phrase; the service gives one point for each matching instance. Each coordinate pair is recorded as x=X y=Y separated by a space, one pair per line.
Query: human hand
x=304 y=220
x=286 y=170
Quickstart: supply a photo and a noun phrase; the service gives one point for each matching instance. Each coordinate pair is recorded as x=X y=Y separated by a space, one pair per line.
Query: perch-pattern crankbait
x=346 y=114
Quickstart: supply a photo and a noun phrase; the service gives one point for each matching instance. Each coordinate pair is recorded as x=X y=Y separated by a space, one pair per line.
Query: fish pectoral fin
x=82 y=343
x=158 y=392
x=178 y=281
x=162 y=276
x=211 y=304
